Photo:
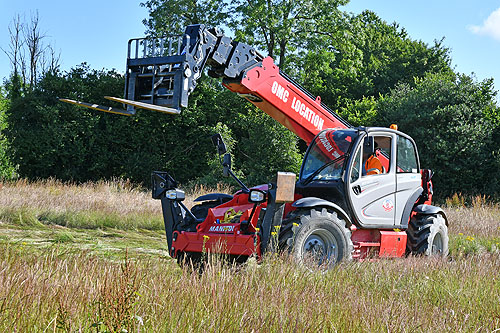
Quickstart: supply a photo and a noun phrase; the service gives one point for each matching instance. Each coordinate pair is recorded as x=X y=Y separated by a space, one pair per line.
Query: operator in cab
x=372 y=165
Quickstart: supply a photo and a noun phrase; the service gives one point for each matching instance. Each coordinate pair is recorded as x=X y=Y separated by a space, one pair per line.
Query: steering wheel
x=354 y=171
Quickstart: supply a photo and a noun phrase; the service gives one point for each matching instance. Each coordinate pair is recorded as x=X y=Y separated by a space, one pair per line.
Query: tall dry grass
x=52 y=291
x=105 y=196
x=480 y=217
x=117 y=204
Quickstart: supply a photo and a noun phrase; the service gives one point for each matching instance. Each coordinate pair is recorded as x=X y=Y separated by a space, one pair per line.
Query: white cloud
x=490 y=26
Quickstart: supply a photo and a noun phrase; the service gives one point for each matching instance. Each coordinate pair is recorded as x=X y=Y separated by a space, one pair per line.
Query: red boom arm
x=285 y=101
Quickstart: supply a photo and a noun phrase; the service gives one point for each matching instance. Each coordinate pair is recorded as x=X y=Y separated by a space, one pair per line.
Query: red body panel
x=369 y=243
x=215 y=236
x=238 y=206
x=202 y=242
x=392 y=243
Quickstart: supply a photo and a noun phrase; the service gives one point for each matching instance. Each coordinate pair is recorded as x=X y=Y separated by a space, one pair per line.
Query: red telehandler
x=336 y=210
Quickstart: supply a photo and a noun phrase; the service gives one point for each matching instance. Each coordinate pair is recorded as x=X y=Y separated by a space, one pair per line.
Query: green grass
x=80 y=219
x=103 y=243
x=64 y=237
x=75 y=264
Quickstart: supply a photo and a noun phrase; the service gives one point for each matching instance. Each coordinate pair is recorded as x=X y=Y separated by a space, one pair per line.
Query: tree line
x=371 y=72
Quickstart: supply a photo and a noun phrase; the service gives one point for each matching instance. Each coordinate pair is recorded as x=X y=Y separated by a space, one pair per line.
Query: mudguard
x=405 y=218
x=311 y=202
x=221 y=197
x=430 y=210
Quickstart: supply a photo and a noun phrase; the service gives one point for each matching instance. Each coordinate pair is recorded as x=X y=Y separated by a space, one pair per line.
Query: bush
x=48 y=138
x=6 y=169
x=454 y=121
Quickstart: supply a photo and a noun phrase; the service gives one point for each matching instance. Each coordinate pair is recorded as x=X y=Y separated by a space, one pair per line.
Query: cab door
x=408 y=177
x=373 y=197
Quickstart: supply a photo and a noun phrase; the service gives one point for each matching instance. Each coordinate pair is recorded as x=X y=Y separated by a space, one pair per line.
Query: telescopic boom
x=162 y=72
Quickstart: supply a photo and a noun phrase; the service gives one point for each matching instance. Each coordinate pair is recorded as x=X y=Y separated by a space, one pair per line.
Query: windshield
x=325 y=158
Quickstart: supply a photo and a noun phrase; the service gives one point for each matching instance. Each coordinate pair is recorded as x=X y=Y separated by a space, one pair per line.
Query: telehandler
x=337 y=209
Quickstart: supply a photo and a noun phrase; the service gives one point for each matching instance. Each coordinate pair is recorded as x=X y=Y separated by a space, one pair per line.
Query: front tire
x=317 y=237
x=427 y=235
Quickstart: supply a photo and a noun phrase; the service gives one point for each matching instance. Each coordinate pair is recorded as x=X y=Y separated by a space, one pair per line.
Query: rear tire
x=317 y=237
x=427 y=235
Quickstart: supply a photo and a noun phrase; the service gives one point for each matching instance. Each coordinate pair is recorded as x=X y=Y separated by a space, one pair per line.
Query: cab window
x=326 y=155
x=406 y=156
x=378 y=162
x=356 y=166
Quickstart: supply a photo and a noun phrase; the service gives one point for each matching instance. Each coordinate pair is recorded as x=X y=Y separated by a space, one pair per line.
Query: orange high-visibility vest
x=373 y=166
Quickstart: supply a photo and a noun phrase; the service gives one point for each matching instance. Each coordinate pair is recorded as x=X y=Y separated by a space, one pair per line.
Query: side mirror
x=226 y=164
x=219 y=143
x=369 y=145
x=256 y=196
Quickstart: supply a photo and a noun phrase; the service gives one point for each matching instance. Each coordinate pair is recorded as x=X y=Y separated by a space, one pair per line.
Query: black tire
x=427 y=235
x=317 y=237
x=201 y=212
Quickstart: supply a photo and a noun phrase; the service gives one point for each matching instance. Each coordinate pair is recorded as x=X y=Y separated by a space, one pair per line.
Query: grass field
x=93 y=258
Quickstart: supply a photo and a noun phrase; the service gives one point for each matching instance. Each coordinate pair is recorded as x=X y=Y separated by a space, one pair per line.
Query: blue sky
x=97 y=31
x=89 y=31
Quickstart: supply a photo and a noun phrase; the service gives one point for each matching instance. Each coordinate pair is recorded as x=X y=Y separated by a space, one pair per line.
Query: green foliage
x=450 y=118
x=282 y=27
x=465 y=245
x=278 y=27
x=361 y=112
x=54 y=139
x=49 y=138
x=364 y=56
x=7 y=171
x=213 y=109
x=260 y=146
x=266 y=148
x=354 y=62
x=171 y=17
x=213 y=174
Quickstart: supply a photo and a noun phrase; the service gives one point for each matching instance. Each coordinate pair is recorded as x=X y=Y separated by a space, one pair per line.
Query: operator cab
x=322 y=170
x=371 y=173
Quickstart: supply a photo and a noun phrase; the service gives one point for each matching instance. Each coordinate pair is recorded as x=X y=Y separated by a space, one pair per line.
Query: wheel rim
x=437 y=244
x=321 y=247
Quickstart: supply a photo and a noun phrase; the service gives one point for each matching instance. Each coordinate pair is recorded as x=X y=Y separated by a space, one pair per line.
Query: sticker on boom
x=297 y=105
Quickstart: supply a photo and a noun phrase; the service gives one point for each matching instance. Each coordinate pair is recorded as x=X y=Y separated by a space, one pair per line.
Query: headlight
x=175 y=195
x=256 y=196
